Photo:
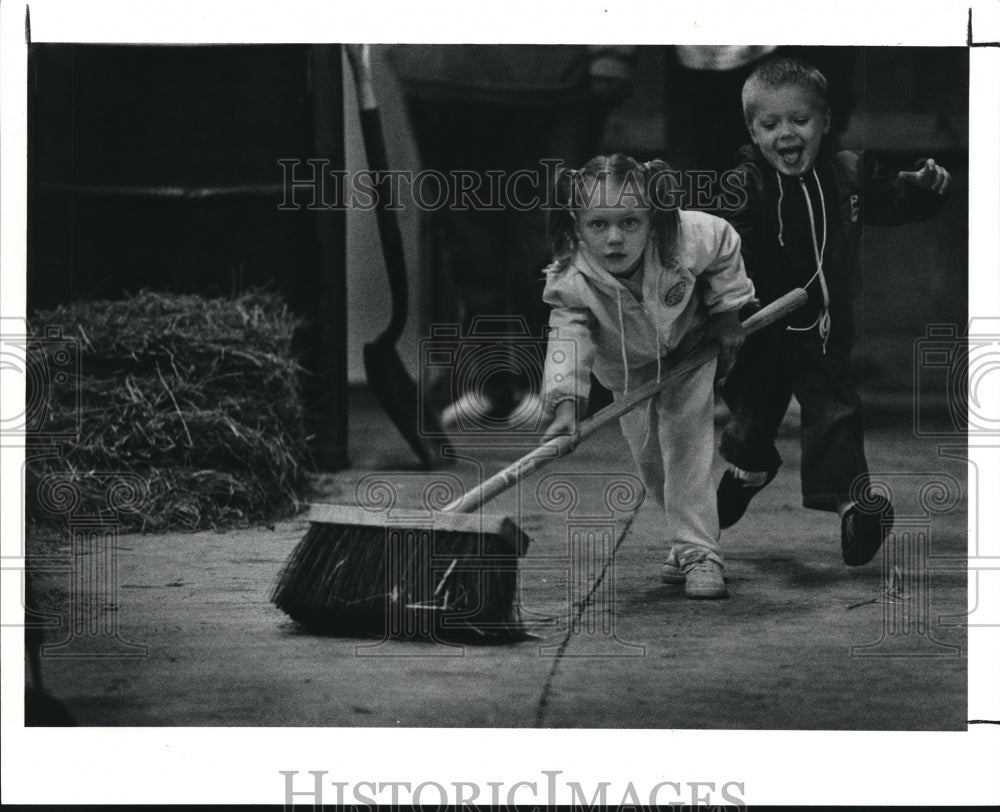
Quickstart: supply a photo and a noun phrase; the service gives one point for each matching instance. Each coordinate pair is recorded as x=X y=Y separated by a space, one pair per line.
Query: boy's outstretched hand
x=929 y=175
x=563 y=422
x=726 y=331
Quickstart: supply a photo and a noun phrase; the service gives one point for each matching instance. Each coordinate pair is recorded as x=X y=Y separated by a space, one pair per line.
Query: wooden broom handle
x=561 y=446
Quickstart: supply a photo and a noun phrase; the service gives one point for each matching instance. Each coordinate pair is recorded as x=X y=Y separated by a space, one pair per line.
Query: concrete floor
x=612 y=646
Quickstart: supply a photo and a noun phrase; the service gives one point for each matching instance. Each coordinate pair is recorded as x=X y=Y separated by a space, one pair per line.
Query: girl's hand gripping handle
x=564 y=420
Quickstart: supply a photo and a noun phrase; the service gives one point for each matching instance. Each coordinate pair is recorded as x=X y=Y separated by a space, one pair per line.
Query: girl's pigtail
x=664 y=192
x=662 y=183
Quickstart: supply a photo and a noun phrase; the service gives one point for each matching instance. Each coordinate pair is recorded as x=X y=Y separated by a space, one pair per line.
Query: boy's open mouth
x=790 y=155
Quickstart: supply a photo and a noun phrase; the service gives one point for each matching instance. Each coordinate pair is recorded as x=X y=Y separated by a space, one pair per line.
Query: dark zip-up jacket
x=777 y=240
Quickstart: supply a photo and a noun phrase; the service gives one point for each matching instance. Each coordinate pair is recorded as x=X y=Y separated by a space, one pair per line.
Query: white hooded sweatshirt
x=598 y=325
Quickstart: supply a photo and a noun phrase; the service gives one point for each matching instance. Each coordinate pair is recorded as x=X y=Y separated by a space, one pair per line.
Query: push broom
x=450 y=573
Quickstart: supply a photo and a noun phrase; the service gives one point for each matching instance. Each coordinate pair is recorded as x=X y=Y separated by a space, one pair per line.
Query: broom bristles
x=401 y=582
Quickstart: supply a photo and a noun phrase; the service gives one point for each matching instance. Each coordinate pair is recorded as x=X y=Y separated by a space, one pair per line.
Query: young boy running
x=800 y=226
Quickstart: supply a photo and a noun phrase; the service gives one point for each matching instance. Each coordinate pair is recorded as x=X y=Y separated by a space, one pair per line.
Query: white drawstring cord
x=621 y=327
x=819 y=249
x=650 y=405
x=659 y=352
x=781 y=197
x=649 y=420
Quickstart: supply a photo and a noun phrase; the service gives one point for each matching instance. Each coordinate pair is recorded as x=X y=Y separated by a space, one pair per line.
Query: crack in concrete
x=543 y=700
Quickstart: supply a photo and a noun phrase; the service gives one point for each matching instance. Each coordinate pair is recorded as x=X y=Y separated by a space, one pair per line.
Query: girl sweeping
x=637 y=283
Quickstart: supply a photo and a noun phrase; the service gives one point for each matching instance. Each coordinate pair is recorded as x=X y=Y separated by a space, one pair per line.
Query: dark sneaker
x=863 y=531
x=734 y=495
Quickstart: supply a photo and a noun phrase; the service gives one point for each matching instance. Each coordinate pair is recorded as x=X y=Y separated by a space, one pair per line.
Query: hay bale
x=198 y=398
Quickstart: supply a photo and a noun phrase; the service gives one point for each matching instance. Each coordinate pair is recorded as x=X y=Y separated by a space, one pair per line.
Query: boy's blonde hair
x=774 y=73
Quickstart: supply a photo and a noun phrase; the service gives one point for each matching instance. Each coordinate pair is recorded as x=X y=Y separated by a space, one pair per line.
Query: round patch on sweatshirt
x=675 y=295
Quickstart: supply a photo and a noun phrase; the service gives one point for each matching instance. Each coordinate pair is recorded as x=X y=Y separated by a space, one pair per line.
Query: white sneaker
x=671 y=573
x=703 y=580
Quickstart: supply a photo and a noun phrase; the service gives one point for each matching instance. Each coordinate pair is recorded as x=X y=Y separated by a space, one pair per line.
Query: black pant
x=773 y=366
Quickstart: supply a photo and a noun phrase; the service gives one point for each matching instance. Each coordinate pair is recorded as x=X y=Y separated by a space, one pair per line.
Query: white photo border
x=228 y=765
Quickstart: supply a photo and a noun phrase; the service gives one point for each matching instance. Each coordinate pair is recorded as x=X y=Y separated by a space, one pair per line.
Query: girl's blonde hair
x=653 y=182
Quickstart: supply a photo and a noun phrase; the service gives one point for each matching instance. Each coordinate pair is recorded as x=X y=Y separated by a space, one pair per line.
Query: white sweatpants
x=672 y=439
